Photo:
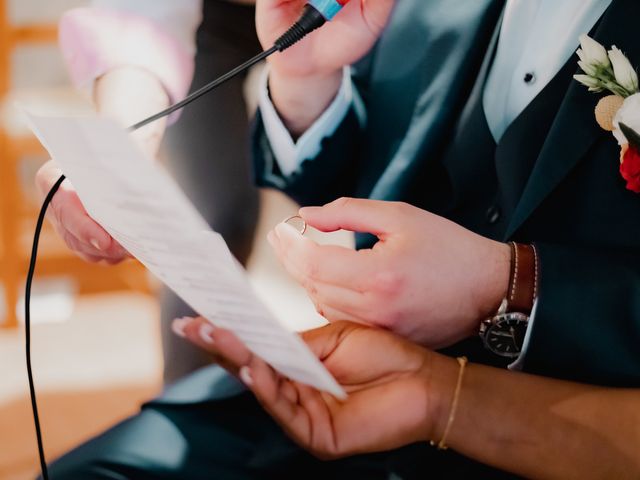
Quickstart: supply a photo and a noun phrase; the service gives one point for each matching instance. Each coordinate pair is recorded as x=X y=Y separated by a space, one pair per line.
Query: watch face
x=505 y=336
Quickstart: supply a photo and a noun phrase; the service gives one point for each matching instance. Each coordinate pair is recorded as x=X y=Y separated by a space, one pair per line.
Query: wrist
x=496 y=283
x=440 y=383
x=301 y=100
x=129 y=94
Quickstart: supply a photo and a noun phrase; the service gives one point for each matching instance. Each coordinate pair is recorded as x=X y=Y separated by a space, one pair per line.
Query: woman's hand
x=127 y=95
x=389 y=402
x=72 y=222
x=305 y=79
x=400 y=393
x=427 y=278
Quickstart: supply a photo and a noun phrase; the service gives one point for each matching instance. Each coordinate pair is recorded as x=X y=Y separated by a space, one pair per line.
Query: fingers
x=223 y=345
x=339 y=303
x=73 y=218
x=333 y=314
x=309 y=262
x=376 y=13
x=79 y=231
x=325 y=340
x=303 y=412
x=281 y=398
x=356 y=215
x=278 y=395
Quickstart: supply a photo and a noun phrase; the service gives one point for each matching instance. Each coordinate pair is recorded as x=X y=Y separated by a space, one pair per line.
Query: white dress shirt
x=537 y=37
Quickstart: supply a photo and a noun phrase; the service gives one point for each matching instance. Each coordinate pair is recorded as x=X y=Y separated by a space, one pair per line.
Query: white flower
x=629 y=114
x=588 y=68
x=593 y=83
x=592 y=53
x=623 y=70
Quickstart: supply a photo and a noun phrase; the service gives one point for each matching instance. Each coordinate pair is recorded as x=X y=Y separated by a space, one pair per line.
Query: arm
x=305 y=84
x=520 y=423
x=511 y=421
x=156 y=36
x=331 y=173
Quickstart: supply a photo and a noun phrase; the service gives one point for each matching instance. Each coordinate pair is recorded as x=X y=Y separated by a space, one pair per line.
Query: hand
x=427 y=278
x=72 y=222
x=128 y=95
x=315 y=64
x=387 y=379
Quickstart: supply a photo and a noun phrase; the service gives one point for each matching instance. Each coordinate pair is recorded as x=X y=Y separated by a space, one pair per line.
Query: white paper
x=144 y=209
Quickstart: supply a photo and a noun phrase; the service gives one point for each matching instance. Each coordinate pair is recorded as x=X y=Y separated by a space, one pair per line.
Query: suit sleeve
x=587 y=327
x=331 y=174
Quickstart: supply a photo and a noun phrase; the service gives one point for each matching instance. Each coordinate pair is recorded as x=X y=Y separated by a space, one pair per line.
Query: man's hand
x=305 y=79
x=427 y=278
x=390 y=403
x=127 y=95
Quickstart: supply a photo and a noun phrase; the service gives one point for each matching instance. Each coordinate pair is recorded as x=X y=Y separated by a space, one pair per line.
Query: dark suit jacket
x=571 y=200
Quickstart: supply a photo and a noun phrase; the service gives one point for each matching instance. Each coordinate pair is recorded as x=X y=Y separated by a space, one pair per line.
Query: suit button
x=493 y=214
x=530 y=78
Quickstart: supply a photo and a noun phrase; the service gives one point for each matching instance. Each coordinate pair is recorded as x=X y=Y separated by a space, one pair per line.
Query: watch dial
x=506 y=336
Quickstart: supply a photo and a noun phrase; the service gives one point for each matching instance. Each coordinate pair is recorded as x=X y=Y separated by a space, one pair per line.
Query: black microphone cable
x=310 y=20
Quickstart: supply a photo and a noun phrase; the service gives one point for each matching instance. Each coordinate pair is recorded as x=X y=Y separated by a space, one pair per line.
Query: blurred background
x=96 y=344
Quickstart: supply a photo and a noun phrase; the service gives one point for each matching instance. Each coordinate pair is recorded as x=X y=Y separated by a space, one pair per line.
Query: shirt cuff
x=289 y=154
x=519 y=363
x=96 y=40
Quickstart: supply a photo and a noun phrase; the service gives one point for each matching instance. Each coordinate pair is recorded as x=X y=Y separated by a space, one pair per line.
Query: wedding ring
x=302 y=228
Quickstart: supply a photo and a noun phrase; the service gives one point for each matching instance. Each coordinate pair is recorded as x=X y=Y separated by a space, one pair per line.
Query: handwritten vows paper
x=145 y=211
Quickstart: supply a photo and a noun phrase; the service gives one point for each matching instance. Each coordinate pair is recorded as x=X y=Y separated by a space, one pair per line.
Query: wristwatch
x=503 y=333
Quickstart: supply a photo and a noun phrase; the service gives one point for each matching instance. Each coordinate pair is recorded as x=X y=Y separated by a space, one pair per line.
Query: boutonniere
x=619 y=113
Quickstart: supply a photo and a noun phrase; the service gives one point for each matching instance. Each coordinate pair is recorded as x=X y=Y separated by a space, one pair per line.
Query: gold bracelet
x=442 y=445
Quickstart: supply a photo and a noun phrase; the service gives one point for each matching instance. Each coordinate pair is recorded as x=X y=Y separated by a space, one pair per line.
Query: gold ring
x=303 y=229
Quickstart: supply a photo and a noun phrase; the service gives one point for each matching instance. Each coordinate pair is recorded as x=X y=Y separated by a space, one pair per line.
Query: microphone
x=315 y=14
x=328 y=8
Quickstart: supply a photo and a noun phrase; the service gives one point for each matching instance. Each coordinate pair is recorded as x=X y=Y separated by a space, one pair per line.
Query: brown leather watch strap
x=523 y=282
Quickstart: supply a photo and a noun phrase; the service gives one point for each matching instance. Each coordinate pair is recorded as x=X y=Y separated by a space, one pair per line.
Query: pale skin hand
x=400 y=394
x=127 y=95
x=305 y=79
x=427 y=279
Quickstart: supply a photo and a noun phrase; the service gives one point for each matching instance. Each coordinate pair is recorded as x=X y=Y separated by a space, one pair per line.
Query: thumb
x=325 y=340
x=355 y=215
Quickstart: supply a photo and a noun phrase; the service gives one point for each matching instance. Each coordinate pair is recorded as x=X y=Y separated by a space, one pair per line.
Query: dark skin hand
x=519 y=424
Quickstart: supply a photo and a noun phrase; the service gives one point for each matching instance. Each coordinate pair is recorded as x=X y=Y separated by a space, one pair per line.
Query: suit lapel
x=574 y=130
x=455 y=41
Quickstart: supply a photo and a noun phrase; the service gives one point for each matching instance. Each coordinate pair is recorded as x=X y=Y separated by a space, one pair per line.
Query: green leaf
x=632 y=136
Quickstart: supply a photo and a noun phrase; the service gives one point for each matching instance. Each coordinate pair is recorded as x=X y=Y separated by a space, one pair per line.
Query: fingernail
x=179 y=324
x=245 y=376
x=285 y=229
x=95 y=244
x=205 y=332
